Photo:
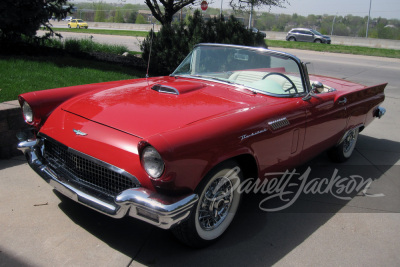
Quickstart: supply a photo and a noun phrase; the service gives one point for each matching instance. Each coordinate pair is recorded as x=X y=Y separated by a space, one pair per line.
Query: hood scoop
x=177 y=87
x=165 y=89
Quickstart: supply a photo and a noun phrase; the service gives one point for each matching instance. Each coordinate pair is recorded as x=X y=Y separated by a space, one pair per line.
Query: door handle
x=344 y=101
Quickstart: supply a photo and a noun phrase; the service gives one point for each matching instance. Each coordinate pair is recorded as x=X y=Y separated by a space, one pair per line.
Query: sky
x=379 y=8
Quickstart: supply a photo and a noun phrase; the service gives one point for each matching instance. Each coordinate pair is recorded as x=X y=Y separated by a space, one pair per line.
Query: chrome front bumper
x=141 y=203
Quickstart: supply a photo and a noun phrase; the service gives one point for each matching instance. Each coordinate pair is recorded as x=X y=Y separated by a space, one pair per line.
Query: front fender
x=192 y=151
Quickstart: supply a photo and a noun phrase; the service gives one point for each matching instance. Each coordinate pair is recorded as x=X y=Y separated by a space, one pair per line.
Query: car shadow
x=257 y=237
x=12 y=162
x=7 y=259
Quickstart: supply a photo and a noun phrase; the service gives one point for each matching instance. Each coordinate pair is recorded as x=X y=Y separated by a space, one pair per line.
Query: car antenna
x=151 y=44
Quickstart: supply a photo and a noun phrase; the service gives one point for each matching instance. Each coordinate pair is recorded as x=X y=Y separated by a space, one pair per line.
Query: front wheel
x=218 y=204
x=344 y=150
x=78 y=27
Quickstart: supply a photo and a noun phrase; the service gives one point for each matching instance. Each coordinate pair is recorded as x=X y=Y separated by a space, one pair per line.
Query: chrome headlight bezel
x=152 y=162
x=27 y=112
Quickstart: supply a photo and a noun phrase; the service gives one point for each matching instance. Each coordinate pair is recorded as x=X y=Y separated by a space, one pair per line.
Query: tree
x=119 y=18
x=185 y=36
x=244 y=4
x=140 y=19
x=170 y=7
x=132 y=17
x=100 y=15
x=20 y=18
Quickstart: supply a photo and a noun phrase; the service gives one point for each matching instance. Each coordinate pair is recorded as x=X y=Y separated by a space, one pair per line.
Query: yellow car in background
x=77 y=23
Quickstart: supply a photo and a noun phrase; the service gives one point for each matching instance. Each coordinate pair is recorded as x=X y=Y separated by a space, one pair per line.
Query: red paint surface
x=201 y=127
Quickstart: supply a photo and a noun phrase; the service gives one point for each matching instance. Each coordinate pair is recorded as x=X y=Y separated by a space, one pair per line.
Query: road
x=367 y=70
x=39 y=228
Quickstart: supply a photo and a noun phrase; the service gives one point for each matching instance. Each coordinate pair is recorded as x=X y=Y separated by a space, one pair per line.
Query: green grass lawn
x=345 y=49
x=109 y=32
x=20 y=74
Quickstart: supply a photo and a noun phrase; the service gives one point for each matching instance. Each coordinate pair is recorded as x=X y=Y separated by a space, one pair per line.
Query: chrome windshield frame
x=302 y=69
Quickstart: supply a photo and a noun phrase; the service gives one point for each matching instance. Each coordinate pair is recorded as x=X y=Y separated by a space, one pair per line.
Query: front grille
x=86 y=171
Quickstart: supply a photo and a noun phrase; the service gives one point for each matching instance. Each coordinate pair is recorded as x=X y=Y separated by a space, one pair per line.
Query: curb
x=11 y=122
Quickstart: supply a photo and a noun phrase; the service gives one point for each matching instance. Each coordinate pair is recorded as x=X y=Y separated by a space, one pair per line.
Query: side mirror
x=317 y=87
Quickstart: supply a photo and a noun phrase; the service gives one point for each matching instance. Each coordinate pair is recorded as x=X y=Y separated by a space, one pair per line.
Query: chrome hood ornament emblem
x=78 y=132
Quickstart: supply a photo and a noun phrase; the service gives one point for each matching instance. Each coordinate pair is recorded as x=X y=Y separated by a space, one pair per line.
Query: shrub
x=88 y=46
x=173 y=42
x=21 y=19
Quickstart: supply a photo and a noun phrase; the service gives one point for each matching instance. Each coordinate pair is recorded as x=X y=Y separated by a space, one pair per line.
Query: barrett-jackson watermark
x=289 y=185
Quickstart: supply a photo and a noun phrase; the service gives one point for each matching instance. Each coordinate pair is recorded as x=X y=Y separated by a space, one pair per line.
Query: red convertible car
x=170 y=150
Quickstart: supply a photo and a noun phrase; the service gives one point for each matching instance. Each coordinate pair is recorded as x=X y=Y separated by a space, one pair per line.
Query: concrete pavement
x=40 y=228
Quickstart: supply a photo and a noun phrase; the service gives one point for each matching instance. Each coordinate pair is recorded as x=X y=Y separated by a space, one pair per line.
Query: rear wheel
x=344 y=150
x=69 y=25
x=217 y=206
x=292 y=39
x=78 y=27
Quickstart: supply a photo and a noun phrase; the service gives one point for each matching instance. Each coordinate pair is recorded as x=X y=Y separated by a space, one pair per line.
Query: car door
x=279 y=147
x=325 y=122
x=73 y=23
x=308 y=36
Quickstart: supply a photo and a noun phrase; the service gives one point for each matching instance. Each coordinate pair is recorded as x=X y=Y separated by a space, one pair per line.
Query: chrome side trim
x=140 y=203
x=277 y=124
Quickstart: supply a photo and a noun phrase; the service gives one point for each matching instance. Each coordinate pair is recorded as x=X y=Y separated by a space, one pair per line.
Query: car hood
x=140 y=110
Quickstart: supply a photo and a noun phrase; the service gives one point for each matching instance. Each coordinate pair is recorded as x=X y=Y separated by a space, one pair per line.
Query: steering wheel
x=284 y=76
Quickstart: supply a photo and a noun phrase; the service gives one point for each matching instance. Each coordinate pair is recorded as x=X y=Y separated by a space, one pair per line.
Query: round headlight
x=27 y=112
x=152 y=162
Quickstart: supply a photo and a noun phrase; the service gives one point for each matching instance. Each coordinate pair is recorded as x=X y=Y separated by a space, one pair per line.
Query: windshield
x=79 y=20
x=261 y=70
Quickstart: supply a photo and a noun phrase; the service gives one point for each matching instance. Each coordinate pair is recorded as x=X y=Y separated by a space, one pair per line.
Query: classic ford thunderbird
x=171 y=150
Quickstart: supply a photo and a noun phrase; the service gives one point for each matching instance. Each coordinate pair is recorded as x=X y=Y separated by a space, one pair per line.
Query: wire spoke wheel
x=345 y=149
x=216 y=208
x=349 y=143
x=215 y=204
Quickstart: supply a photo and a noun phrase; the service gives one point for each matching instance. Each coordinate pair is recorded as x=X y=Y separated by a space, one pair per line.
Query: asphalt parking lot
x=41 y=228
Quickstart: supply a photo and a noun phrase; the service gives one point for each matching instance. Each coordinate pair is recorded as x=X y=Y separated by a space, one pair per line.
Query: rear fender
x=361 y=104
